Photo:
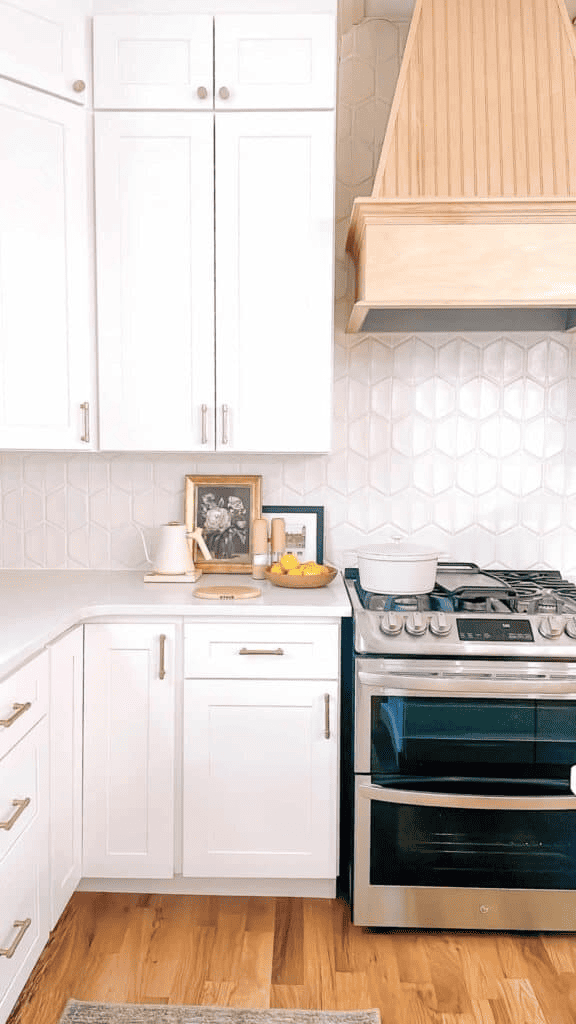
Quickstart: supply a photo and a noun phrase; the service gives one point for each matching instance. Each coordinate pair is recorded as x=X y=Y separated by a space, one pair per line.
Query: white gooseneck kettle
x=173 y=555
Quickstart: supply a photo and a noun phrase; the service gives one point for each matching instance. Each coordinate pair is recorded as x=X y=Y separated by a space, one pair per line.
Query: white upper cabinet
x=43 y=44
x=155 y=269
x=46 y=348
x=254 y=61
x=274 y=279
x=274 y=61
x=153 y=61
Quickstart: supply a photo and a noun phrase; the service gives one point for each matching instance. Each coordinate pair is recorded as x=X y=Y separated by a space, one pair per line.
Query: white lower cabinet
x=260 y=776
x=24 y=809
x=129 y=718
x=66 y=686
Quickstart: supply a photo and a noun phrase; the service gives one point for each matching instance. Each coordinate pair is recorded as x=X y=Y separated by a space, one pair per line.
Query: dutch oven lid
x=398 y=551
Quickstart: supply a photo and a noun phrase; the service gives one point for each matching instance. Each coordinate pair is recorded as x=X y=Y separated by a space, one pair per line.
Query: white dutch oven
x=399 y=567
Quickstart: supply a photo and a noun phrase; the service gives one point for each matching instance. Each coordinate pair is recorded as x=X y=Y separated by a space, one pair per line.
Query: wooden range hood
x=472 y=220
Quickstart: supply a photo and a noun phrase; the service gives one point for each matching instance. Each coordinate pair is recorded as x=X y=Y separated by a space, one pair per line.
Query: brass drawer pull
x=250 y=650
x=327 y=716
x=19 y=709
x=20 y=806
x=23 y=926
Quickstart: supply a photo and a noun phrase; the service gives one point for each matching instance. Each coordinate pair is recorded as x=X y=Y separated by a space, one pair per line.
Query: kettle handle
x=197 y=536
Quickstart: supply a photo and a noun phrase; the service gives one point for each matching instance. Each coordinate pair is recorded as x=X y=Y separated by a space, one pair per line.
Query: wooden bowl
x=302 y=582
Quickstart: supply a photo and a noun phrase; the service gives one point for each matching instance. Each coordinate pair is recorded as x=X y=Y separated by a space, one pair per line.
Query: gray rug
x=134 y=1013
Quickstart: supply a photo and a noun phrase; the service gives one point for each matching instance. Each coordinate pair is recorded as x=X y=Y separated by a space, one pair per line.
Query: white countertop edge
x=32 y=618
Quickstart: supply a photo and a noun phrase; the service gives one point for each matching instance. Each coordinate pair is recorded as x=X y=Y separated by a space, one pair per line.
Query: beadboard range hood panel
x=472 y=220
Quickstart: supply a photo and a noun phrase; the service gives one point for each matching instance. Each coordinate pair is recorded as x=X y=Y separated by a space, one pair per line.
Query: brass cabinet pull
x=19 y=709
x=204 y=438
x=162 y=670
x=225 y=424
x=23 y=926
x=79 y=85
x=85 y=406
x=224 y=93
x=20 y=806
x=250 y=650
x=327 y=716
x=201 y=92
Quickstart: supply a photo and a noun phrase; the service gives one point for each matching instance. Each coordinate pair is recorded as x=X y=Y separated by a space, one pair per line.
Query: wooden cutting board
x=223 y=593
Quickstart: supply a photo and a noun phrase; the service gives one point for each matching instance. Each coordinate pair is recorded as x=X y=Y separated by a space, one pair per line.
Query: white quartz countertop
x=38 y=605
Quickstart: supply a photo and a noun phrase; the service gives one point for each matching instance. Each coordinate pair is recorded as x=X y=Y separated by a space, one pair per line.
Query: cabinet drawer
x=23 y=787
x=23 y=701
x=252 y=651
x=23 y=913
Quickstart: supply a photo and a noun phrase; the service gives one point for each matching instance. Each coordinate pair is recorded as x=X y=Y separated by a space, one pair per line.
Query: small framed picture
x=224 y=507
x=304 y=529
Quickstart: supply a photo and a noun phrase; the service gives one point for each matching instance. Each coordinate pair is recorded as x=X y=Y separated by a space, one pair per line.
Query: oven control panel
x=494 y=630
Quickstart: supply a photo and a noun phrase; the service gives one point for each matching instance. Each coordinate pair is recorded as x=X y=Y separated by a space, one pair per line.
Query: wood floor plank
x=288 y=959
x=294 y=953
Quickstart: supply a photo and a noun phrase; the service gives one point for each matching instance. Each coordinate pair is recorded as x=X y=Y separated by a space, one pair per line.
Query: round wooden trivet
x=227 y=593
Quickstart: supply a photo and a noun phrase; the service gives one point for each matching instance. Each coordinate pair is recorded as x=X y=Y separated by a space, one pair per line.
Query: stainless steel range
x=463 y=753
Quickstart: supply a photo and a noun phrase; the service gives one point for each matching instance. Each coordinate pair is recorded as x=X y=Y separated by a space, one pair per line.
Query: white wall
x=468 y=442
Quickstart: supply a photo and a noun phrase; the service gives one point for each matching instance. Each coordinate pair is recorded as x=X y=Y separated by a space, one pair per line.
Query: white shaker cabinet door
x=153 y=61
x=66 y=686
x=46 y=348
x=155 y=281
x=260 y=779
x=274 y=281
x=43 y=43
x=129 y=751
x=275 y=61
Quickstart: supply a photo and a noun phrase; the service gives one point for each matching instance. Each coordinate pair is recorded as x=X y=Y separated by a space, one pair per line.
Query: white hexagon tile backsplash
x=466 y=442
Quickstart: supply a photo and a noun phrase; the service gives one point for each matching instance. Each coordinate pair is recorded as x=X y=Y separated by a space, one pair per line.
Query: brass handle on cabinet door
x=23 y=926
x=162 y=669
x=224 y=93
x=85 y=406
x=19 y=709
x=225 y=438
x=204 y=438
x=20 y=806
x=79 y=85
x=201 y=92
x=327 y=716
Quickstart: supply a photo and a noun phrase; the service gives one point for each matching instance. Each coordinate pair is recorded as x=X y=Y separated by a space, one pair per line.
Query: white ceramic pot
x=399 y=567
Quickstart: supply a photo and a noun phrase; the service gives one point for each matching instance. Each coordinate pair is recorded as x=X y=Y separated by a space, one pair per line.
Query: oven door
x=462 y=853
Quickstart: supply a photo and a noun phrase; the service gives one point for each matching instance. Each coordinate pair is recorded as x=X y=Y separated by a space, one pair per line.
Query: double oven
x=461 y=775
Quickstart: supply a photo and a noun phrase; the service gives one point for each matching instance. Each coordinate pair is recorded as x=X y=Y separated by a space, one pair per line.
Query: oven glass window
x=503 y=849
x=439 y=736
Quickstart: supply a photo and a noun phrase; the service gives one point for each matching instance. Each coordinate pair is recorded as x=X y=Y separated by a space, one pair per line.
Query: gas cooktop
x=471 y=611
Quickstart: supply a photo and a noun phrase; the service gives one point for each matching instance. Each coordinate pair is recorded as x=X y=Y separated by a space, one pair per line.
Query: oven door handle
x=467 y=800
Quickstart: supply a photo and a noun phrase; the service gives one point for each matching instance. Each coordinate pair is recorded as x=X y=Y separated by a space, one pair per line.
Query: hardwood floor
x=295 y=953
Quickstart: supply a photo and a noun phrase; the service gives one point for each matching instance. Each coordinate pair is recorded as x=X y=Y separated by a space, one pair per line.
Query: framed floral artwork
x=224 y=508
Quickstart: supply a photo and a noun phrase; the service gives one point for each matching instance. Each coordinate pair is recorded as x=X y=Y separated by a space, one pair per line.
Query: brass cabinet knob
x=224 y=93
x=201 y=92
x=79 y=85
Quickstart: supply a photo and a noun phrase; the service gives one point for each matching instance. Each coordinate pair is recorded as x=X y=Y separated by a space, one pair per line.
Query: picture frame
x=224 y=507
x=304 y=529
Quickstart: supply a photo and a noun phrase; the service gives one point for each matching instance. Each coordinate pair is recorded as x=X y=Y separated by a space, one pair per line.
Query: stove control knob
x=570 y=627
x=439 y=625
x=551 y=626
x=391 y=624
x=415 y=624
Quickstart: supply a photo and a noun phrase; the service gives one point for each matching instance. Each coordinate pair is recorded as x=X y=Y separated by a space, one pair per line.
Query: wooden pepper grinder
x=259 y=548
x=278 y=539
